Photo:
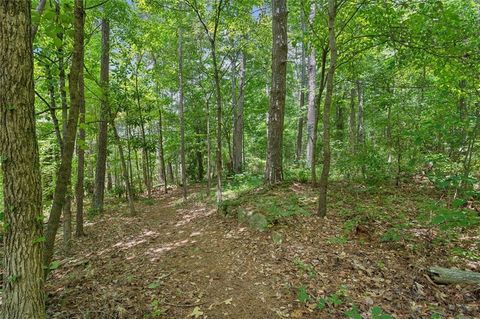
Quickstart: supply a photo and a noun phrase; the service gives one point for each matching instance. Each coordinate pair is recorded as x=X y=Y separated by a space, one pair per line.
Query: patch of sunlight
x=192 y=215
x=155 y=253
x=142 y=238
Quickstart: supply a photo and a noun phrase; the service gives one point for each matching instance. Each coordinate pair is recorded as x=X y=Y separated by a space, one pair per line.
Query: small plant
x=333 y=300
x=376 y=313
x=337 y=240
x=304 y=267
x=156 y=309
x=302 y=294
x=391 y=235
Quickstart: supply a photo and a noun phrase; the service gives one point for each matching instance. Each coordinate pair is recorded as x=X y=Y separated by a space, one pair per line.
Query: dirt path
x=182 y=260
x=170 y=259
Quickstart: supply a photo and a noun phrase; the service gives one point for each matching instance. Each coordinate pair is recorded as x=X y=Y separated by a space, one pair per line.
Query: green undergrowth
x=261 y=207
x=409 y=215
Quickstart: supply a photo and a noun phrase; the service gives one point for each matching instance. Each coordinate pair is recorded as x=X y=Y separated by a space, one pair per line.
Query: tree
x=102 y=141
x=23 y=274
x=311 y=107
x=323 y=185
x=274 y=164
x=212 y=39
x=65 y=169
x=181 y=112
x=238 y=118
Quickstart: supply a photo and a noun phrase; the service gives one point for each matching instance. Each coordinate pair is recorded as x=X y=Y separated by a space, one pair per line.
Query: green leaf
x=302 y=294
x=54 y=265
x=38 y=240
x=353 y=313
x=154 y=285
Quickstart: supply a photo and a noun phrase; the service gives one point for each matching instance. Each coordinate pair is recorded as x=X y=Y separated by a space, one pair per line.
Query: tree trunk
x=53 y=107
x=303 y=84
x=311 y=109
x=126 y=178
x=442 y=275
x=218 y=96
x=361 y=127
x=65 y=170
x=163 y=173
x=238 y=120
x=170 y=173
x=145 y=155
x=23 y=291
x=323 y=186
x=101 y=164
x=352 y=123
x=274 y=164
x=209 y=150
x=318 y=103
x=79 y=188
x=181 y=112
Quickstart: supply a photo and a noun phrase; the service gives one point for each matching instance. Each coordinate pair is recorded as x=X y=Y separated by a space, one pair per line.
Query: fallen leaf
x=196 y=313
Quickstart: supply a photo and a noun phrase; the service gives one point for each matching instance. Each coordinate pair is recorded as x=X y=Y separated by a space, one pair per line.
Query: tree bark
x=163 y=172
x=274 y=164
x=238 y=120
x=102 y=141
x=218 y=96
x=79 y=188
x=323 y=186
x=442 y=275
x=65 y=170
x=181 y=112
x=311 y=109
x=23 y=289
x=303 y=84
x=318 y=102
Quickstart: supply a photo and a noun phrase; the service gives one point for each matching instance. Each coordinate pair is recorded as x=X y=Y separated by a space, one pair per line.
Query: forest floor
x=178 y=259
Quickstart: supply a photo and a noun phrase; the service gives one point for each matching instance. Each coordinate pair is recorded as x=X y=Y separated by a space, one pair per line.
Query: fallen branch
x=442 y=275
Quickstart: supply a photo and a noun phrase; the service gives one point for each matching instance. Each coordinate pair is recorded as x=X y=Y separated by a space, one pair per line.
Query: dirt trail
x=170 y=259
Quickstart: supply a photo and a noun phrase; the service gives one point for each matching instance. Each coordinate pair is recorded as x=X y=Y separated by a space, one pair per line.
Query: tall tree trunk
x=65 y=170
x=238 y=120
x=22 y=269
x=311 y=109
x=209 y=150
x=163 y=172
x=53 y=106
x=145 y=155
x=218 y=96
x=323 y=186
x=181 y=112
x=303 y=84
x=170 y=173
x=352 y=122
x=126 y=178
x=318 y=103
x=361 y=126
x=274 y=164
x=101 y=164
x=79 y=188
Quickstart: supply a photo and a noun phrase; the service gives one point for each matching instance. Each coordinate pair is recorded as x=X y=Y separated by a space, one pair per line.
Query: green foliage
x=391 y=235
x=305 y=268
x=302 y=294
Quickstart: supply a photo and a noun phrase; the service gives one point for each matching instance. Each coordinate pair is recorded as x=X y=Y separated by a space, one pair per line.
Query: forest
x=244 y=159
